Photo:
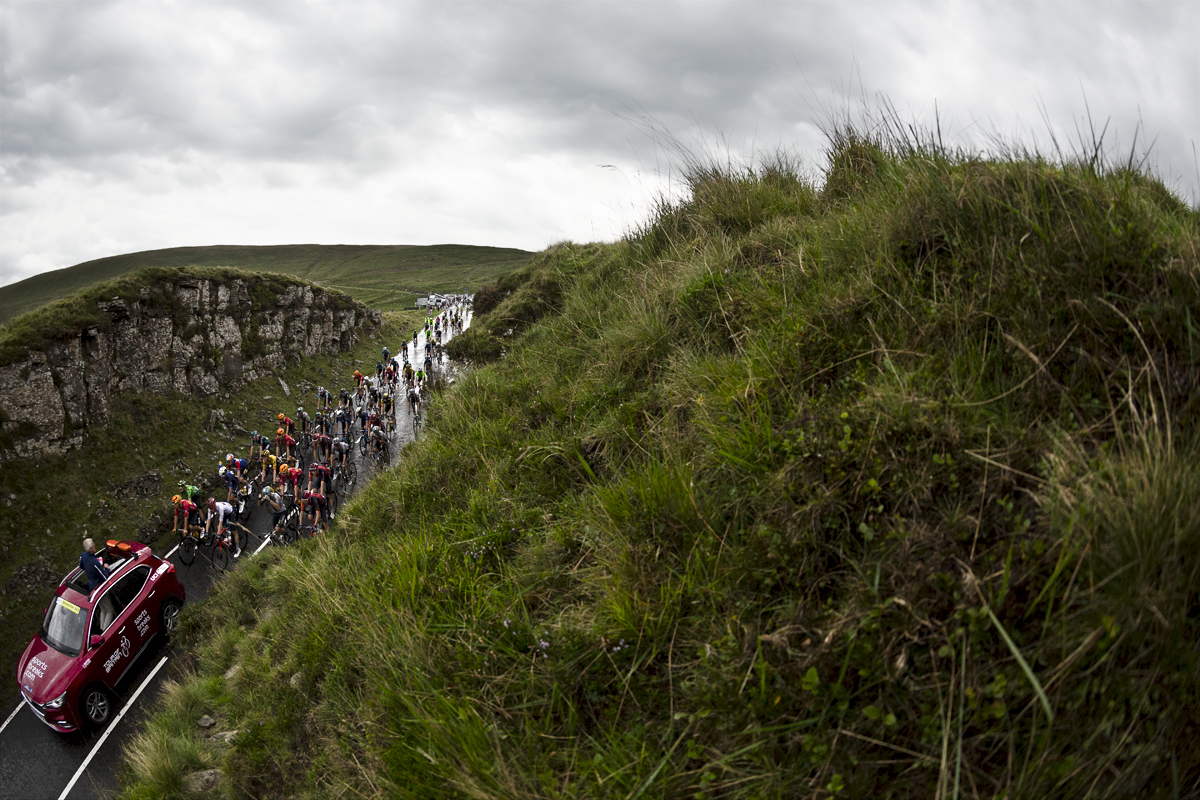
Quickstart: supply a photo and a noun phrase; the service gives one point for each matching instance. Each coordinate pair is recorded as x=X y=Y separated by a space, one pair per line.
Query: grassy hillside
x=880 y=489
x=387 y=277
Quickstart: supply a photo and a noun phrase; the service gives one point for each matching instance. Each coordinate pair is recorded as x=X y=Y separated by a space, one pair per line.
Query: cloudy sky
x=136 y=125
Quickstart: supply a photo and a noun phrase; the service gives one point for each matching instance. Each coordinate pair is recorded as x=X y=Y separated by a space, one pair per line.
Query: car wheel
x=97 y=705
x=168 y=616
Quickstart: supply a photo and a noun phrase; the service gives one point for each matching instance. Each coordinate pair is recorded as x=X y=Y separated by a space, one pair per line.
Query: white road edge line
x=167 y=557
x=10 y=716
x=110 y=729
x=265 y=542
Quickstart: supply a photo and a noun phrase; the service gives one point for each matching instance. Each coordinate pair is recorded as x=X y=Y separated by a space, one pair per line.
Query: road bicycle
x=189 y=537
x=223 y=548
x=344 y=477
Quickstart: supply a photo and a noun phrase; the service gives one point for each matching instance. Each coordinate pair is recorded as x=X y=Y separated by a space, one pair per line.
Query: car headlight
x=57 y=702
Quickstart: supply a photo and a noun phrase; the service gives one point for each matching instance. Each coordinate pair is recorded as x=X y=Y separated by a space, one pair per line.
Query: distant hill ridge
x=387 y=277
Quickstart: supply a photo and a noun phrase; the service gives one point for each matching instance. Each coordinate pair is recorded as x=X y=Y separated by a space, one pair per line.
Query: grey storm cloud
x=132 y=125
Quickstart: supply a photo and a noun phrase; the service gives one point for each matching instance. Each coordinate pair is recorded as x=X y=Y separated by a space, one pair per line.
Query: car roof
x=75 y=581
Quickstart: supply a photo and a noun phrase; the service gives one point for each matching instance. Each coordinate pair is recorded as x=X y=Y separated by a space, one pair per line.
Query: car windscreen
x=64 y=626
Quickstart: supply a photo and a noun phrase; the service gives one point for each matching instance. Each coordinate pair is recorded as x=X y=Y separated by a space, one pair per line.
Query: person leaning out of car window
x=92 y=566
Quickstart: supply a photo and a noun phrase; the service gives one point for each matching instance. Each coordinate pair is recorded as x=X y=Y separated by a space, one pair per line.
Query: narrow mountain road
x=36 y=762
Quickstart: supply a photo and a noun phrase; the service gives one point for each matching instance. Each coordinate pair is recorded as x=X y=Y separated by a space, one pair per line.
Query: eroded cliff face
x=198 y=336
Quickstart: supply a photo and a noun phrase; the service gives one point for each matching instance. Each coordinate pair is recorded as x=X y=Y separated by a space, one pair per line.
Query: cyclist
x=362 y=418
x=287 y=424
x=188 y=511
x=275 y=500
x=290 y=477
x=428 y=363
x=314 y=506
x=324 y=399
x=270 y=467
x=344 y=398
x=189 y=492
x=303 y=418
x=372 y=420
x=387 y=354
x=372 y=397
x=414 y=401
x=387 y=406
x=283 y=443
x=319 y=477
x=259 y=441
x=321 y=447
x=378 y=370
x=378 y=440
x=221 y=511
x=232 y=481
x=343 y=421
x=340 y=451
x=408 y=374
x=420 y=378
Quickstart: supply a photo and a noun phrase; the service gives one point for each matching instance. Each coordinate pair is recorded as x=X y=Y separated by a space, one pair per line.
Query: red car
x=88 y=641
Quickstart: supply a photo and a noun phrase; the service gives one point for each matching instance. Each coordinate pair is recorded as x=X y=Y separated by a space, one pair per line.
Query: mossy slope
x=880 y=489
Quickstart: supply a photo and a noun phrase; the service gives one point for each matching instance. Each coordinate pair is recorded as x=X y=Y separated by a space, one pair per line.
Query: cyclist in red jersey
x=314 y=507
x=283 y=443
x=187 y=511
x=292 y=479
x=319 y=477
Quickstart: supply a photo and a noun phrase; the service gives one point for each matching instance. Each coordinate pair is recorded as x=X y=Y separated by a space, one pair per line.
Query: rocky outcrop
x=192 y=336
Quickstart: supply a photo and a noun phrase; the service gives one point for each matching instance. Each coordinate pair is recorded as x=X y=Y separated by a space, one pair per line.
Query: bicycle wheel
x=349 y=476
x=220 y=556
x=288 y=535
x=187 y=550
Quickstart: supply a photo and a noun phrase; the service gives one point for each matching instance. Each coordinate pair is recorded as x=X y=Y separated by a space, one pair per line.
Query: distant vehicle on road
x=89 y=640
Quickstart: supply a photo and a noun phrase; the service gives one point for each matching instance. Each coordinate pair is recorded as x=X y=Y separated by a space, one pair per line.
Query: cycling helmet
x=176 y=499
x=222 y=472
x=299 y=409
x=181 y=484
x=228 y=457
x=266 y=490
x=279 y=432
x=253 y=434
x=280 y=416
x=307 y=494
x=358 y=410
x=212 y=502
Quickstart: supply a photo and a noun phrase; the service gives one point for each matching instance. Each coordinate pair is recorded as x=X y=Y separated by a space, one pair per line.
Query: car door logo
x=117 y=655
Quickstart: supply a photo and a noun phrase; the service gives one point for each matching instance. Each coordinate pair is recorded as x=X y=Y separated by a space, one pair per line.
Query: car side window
x=118 y=596
x=127 y=589
x=104 y=615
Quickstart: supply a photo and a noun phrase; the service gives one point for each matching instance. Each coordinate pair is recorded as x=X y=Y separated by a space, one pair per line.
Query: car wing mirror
x=95 y=642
